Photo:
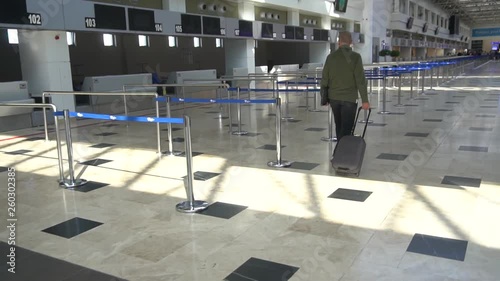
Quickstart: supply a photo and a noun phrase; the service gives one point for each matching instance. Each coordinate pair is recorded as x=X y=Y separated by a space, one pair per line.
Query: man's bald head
x=345 y=38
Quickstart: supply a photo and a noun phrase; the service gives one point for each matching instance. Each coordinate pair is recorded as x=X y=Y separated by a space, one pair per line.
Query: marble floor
x=424 y=207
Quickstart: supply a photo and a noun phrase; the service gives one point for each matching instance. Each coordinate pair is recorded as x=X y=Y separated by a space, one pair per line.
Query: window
x=172 y=41
x=109 y=40
x=442 y=22
x=402 y=6
x=71 y=38
x=219 y=43
x=433 y=18
x=143 y=41
x=13 y=36
x=427 y=15
x=197 y=42
x=412 y=9
x=420 y=14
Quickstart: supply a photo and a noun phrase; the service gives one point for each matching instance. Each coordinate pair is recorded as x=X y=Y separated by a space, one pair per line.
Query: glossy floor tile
x=303 y=166
x=20 y=151
x=91 y=186
x=473 y=148
x=461 y=181
x=223 y=210
x=257 y=269
x=72 y=227
x=96 y=162
x=349 y=194
x=303 y=219
x=391 y=156
x=103 y=145
x=438 y=247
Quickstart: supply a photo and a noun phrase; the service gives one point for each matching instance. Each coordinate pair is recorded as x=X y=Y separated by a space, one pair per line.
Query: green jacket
x=345 y=79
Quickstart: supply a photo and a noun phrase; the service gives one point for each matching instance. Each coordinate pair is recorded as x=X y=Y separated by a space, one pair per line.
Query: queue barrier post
x=330 y=137
x=191 y=205
x=423 y=80
x=279 y=163
x=399 y=104
x=170 y=151
x=70 y=183
x=287 y=97
x=411 y=83
x=307 y=98
x=384 y=95
x=239 y=132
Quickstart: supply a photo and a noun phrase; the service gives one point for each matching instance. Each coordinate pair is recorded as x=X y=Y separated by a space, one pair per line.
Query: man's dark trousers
x=344 y=113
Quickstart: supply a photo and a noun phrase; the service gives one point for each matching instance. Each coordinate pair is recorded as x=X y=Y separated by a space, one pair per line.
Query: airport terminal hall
x=249 y=140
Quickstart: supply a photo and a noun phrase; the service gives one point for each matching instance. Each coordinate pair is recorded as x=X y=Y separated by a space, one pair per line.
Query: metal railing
x=124 y=94
x=56 y=124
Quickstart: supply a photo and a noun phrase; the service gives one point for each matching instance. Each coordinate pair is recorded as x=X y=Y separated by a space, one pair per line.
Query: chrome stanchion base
x=399 y=105
x=328 y=139
x=384 y=112
x=287 y=118
x=240 y=133
x=279 y=164
x=172 y=153
x=72 y=185
x=186 y=207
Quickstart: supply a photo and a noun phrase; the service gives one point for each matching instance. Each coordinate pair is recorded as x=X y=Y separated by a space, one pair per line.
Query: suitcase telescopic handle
x=366 y=123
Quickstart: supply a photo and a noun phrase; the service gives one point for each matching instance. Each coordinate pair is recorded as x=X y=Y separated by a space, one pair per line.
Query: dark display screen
x=211 y=26
x=320 y=35
x=246 y=28
x=191 y=24
x=299 y=33
x=324 y=35
x=13 y=11
x=110 y=17
x=267 y=30
x=289 y=32
x=141 y=20
x=341 y=6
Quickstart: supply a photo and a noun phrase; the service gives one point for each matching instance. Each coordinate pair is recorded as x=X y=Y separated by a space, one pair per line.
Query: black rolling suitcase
x=350 y=151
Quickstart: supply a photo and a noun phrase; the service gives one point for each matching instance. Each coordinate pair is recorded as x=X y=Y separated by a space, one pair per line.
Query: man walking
x=343 y=77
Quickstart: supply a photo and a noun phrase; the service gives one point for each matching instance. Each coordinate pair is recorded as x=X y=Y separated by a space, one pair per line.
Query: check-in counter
x=15 y=118
x=116 y=83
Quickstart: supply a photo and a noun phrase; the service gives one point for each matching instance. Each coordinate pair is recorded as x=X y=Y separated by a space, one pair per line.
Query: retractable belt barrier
x=279 y=163
x=189 y=206
x=271 y=90
x=299 y=82
x=191 y=100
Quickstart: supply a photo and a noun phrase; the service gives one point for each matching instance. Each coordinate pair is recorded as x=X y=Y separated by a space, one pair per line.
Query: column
x=293 y=18
x=374 y=24
x=246 y=10
x=240 y=53
x=175 y=5
x=45 y=64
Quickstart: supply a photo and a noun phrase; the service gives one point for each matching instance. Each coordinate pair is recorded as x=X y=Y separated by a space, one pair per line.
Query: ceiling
x=473 y=12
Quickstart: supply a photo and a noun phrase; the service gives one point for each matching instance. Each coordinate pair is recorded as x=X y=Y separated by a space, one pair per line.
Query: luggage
x=350 y=151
